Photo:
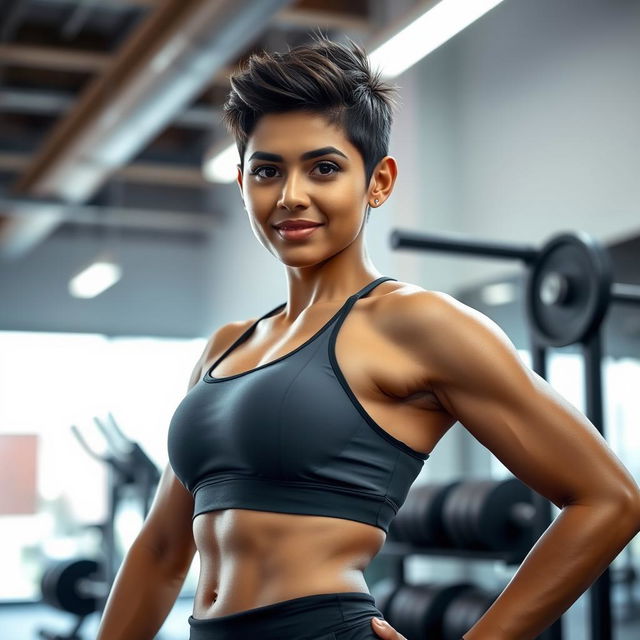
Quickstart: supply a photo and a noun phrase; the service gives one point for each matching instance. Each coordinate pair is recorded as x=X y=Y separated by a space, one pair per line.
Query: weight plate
x=465 y=611
x=568 y=289
x=494 y=522
x=453 y=514
x=60 y=585
x=418 y=530
x=477 y=496
x=433 y=528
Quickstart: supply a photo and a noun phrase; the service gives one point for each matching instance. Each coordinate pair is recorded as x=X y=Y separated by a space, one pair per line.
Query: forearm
x=576 y=548
x=143 y=594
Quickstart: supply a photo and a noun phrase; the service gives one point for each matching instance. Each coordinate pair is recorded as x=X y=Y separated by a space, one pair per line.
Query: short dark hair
x=323 y=77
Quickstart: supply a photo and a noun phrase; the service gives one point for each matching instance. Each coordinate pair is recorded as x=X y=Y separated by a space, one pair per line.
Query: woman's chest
x=353 y=365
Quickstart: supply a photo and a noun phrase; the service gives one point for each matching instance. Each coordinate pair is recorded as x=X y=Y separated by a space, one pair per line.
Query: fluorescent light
x=498 y=293
x=96 y=278
x=427 y=33
x=221 y=167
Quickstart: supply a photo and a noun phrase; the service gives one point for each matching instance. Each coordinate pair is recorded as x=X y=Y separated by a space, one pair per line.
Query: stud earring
x=376 y=200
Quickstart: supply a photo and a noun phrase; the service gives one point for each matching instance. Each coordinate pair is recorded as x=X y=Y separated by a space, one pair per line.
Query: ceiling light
x=101 y=274
x=427 y=33
x=221 y=166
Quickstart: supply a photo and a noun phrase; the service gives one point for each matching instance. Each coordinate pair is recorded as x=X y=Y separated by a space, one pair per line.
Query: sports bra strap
x=351 y=300
x=372 y=285
x=343 y=311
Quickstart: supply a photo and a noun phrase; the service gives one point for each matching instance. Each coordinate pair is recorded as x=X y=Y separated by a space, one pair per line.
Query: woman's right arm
x=155 y=566
x=151 y=576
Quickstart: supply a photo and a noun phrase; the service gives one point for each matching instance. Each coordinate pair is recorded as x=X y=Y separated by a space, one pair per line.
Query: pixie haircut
x=323 y=77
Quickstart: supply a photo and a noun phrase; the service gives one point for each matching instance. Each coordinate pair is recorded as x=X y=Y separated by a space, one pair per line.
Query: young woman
x=303 y=429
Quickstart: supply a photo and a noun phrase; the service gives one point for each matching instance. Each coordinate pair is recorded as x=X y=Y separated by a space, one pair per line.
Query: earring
x=376 y=200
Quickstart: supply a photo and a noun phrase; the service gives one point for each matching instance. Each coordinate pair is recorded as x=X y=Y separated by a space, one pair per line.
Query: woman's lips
x=297 y=234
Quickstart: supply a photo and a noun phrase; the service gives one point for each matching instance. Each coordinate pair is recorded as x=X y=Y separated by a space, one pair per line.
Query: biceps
x=542 y=439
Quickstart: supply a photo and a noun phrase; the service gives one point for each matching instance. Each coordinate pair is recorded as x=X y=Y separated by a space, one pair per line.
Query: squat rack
x=569 y=290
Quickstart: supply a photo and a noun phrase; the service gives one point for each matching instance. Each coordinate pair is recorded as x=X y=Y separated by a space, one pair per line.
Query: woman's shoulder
x=400 y=298
x=407 y=307
x=224 y=336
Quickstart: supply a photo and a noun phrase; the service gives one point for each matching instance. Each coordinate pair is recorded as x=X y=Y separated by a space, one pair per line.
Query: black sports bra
x=290 y=436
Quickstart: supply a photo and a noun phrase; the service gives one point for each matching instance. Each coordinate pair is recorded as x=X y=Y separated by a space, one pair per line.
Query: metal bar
x=625 y=293
x=542 y=505
x=600 y=590
x=452 y=243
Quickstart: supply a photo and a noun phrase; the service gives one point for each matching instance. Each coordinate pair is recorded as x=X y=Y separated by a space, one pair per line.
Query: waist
x=306 y=616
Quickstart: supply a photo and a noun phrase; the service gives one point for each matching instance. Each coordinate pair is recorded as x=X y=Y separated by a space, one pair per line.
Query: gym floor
x=22 y=622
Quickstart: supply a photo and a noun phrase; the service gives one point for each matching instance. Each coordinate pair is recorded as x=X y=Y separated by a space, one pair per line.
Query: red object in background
x=18 y=457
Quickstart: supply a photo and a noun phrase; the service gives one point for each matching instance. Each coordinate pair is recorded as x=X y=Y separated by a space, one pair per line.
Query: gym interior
x=517 y=139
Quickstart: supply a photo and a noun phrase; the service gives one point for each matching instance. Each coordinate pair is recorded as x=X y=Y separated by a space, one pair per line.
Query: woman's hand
x=385 y=630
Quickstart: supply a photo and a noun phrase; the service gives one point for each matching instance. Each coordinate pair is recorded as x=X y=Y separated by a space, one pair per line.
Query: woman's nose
x=293 y=193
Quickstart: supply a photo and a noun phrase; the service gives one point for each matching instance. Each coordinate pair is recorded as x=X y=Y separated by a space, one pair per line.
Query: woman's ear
x=383 y=180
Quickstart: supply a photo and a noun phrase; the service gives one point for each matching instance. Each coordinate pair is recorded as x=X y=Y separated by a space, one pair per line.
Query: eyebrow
x=307 y=155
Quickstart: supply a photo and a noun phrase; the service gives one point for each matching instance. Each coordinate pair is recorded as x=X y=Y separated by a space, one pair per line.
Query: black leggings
x=323 y=616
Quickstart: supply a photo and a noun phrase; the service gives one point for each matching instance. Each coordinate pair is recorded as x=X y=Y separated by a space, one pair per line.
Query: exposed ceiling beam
x=144 y=172
x=121 y=217
x=57 y=102
x=307 y=18
x=60 y=59
x=333 y=16
x=53 y=58
x=168 y=59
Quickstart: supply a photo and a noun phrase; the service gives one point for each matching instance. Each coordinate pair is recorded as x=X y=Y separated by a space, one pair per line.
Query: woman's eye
x=327 y=164
x=258 y=170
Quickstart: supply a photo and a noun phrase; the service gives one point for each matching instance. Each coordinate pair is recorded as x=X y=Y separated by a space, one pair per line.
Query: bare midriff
x=250 y=559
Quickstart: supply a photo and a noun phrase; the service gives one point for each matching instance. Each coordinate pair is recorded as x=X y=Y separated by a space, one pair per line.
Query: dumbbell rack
x=474 y=519
x=400 y=550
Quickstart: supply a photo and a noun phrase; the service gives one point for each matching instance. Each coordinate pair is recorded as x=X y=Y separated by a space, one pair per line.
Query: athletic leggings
x=324 y=616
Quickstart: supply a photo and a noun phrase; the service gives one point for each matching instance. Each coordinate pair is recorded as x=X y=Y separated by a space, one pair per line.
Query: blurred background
x=124 y=243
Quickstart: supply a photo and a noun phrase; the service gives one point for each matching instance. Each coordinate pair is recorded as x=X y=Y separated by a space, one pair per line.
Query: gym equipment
x=129 y=466
x=419 y=520
x=569 y=289
x=81 y=585
x=73 y=586
x=417 y=610
x=432 y=611
x=465 y=611
x=494 y=515
x=490 y=514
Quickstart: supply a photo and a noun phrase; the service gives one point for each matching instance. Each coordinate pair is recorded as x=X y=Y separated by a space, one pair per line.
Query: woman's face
x=298 y=166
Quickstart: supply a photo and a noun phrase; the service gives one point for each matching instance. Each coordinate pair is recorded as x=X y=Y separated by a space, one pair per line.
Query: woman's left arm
x=477 y=375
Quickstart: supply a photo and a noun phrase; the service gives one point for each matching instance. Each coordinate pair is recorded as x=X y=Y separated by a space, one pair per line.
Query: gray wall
x=160 y=293
x=541 y=100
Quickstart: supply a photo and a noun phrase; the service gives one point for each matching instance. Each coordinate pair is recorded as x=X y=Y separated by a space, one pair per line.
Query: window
x=48 y=382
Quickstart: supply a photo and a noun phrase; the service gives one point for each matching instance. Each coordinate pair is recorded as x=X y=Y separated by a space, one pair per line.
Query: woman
x=302 y=430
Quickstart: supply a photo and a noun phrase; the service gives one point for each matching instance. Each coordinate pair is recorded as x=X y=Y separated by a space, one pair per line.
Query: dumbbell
x=432 y=611
x=419 y=520
x=74 y=585
x=464 y=611
x=492 y=515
